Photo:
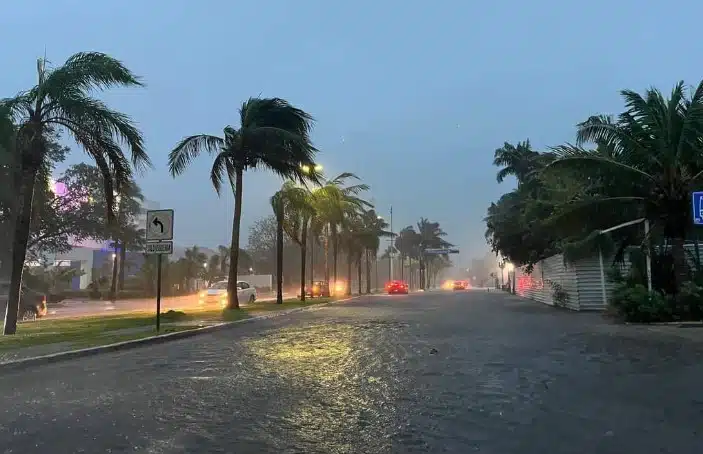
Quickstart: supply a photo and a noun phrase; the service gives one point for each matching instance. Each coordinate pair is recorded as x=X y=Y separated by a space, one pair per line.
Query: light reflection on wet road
x=469 y=372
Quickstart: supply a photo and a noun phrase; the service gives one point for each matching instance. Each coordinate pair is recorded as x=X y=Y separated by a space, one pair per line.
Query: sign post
x=159 y=237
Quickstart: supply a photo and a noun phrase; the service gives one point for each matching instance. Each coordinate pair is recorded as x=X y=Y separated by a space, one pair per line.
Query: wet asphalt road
x=469 y=372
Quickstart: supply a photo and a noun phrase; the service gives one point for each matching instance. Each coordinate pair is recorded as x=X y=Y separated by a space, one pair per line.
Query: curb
x=24 y=363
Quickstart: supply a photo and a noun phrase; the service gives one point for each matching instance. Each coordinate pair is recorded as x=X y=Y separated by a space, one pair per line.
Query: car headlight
x=203 y=294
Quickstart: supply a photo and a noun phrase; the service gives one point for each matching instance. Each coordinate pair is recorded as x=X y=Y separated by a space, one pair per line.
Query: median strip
x=47 y=341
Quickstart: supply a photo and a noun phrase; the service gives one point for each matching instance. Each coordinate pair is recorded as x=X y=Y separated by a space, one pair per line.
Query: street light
x=306 y=168
x=251 y=270
x=114 y=256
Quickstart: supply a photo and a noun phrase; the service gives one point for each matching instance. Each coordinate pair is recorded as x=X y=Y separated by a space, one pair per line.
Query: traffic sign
x=162 y=247
x=159 y=225
x=441 y=251
x=697 y=206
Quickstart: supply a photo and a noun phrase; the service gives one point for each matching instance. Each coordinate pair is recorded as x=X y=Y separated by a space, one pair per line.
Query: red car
x=397 y=287
x=461 y=285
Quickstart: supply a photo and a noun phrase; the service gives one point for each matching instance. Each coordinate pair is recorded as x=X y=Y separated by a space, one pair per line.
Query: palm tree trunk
x=232 y=297
x=113 y=281
x=350 y=262
x=326 y=247
x=358 y=272
x=312 y=259
x=303 y=252
x=368 y=271
x=279 y=254
x=23 y=218
x=335 y=256
x=123 y=260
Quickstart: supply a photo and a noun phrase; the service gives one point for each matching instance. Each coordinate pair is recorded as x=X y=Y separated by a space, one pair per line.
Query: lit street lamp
x=306 y=168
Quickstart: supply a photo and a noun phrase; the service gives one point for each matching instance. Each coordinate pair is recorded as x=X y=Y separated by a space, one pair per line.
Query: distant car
x=32 y=303
x=397 y=287
x=460 y=285
x=319 y=289
x=217 y=293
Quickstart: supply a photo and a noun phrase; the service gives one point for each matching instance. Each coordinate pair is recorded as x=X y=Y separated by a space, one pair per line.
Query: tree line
x=625 y=183
x=272 y=135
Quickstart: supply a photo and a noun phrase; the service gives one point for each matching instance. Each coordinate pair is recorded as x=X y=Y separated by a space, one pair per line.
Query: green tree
x=334 y=201
x=649 y=163
x=62 y=99
x=373 y=227
x=293 y=209
x=272 y=135
x=430 y=236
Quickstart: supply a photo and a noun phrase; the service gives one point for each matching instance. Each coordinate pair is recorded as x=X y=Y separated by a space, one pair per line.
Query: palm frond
x=86 y=71
x=189 y=148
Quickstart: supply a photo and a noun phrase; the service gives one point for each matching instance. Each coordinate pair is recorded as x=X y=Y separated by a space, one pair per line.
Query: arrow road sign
x=441 y=251
x=159 y=225
x=162 y=247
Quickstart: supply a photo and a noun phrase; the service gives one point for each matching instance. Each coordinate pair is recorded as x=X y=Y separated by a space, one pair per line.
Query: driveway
x=435 y=372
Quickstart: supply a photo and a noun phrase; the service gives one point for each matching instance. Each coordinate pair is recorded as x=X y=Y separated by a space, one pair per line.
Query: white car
x=217 y=293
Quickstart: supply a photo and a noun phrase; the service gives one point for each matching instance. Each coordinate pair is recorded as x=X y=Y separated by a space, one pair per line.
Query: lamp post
x=511 y=269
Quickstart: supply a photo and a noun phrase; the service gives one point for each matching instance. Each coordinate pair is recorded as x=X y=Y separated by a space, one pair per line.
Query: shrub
x=688 y=302
x=637 y=304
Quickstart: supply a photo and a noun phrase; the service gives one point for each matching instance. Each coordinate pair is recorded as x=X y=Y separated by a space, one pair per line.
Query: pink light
x=60 y=189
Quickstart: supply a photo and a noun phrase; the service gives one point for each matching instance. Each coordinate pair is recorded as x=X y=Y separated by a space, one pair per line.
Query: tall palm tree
x=652 y=161
x=273 y=135
x=352 y=237
x=61 y=99
x=299 y=210
x=430 y=235
x=334 y=201
x=374 y=227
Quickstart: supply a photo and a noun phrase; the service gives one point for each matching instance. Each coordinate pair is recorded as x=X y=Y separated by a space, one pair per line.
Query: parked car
x=32 y=303
x=217 y=293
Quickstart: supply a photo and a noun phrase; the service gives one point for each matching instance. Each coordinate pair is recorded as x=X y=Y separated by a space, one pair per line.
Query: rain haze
x=411 y=97
x=309 y=337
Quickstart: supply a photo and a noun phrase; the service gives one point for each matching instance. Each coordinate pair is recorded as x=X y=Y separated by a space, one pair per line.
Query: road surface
x=78 y=308
x=433 y=372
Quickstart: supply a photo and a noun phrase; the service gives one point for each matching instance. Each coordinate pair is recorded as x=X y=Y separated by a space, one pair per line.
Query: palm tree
x=334 y=202
x=405 y=243
x=650 y=161
x=298 y=211
x=430 y=235
x=273 y=135
x=62 y=99
x=374 y=227
x=518 y=161
x=352 y=238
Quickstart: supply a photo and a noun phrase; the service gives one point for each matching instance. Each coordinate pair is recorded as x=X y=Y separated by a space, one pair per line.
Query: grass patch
x=92 y=331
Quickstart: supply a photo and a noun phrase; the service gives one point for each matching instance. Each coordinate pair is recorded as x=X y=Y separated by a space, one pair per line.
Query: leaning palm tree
x=648 y=162
x=272 y=135
x=62 y=99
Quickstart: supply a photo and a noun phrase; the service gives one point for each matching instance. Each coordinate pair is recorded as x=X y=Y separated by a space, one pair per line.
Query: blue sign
x=697 y=205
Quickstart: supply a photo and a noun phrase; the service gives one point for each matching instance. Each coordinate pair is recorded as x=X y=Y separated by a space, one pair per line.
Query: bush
x=637 y=304
x=688 y=302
